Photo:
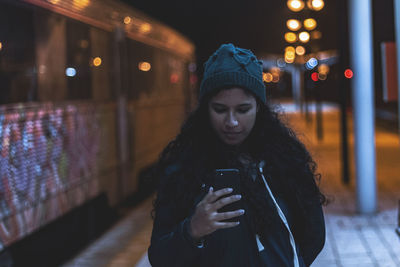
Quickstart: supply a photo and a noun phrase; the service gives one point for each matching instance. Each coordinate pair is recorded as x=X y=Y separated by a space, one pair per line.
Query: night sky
x=258 y=25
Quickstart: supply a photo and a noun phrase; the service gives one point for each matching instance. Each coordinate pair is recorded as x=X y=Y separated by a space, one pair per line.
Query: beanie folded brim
x=240 y=79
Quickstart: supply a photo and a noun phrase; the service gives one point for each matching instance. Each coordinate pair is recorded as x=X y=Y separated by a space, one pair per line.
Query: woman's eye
x=219 y=110
x=244 y=110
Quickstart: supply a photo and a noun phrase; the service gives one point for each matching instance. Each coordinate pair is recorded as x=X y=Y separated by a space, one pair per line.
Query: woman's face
x=232 y=115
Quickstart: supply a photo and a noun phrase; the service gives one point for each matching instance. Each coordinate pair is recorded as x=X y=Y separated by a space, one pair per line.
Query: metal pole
x=344 y=87
x=397 y=34
x=361 y=47
x=318 y=111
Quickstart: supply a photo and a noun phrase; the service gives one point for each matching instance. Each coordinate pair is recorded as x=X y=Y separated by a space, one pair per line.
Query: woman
x=281 y=221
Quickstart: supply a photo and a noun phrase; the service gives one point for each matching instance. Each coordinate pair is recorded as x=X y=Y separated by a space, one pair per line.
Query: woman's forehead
x=233 y=95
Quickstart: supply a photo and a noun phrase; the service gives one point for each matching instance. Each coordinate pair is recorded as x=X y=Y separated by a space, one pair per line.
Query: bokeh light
x=293 y=24
x=127 y=20
x=348 y=73
x=310 y=24
x=304 y=37
x=97 y=61
x=144 y=66
x=290 y=37
x=300 y=50
x=267 y=77
x=295 y=5
x=70 y=72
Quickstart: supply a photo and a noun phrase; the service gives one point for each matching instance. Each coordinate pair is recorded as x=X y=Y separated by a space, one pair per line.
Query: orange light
x=348 y=73
x=81 y=4
x=304 y=37
x=314 y=76
x=174 y=78
x=316 y=5
x=310 y=24
x=290 y=48
x=293 y=24
x=97 y=61
x=144 y=66
x=295 y=5
x=323 y=69
x=145 y=28
x=290 y=37
x=300 y=50
x=267 y=77
x=127 y=20
x=1 y=46
x=275 y=77
x=316 y=35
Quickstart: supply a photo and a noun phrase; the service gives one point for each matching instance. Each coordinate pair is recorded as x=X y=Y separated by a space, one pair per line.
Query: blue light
x=70 y=72
x=311 y=63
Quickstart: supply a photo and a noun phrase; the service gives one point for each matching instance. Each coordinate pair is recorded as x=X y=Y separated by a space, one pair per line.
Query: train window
x=142 y=69
x=78 y=60
x=100 y=64
x=51 y=62
x=17 y=54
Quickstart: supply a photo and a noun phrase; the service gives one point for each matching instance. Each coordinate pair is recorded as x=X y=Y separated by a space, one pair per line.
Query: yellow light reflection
x=295 y=5
x=304 y=37
x=54 y=1
x=1 y=46
x=80 y=4
x=293 y=24
x=144 y=66
x=316 y=35
x=310 y=24
x=317 y=5
x=145 y=28
x=267 y=77
x=290 y=37
x=300 y=50
x=97 y=61
x=127 y=20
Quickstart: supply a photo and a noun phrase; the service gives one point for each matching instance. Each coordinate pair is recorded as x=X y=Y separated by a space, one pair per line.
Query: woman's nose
x=231 y=121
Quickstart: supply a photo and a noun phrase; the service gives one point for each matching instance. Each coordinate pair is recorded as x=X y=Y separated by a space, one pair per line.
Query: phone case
x=225 y=178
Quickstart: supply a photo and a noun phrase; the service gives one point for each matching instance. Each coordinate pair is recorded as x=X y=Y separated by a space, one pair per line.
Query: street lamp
x=300 y=50
x=295 y=5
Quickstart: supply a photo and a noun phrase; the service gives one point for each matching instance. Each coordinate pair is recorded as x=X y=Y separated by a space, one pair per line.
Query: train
x=91 y=92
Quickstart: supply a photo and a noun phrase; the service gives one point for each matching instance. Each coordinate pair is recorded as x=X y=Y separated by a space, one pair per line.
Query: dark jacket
x=171 y=245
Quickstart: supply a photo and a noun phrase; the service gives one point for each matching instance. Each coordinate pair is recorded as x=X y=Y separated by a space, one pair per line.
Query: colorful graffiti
x=48 y=164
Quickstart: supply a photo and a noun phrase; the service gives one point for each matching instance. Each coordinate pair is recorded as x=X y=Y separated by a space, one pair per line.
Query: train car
x=91 y=91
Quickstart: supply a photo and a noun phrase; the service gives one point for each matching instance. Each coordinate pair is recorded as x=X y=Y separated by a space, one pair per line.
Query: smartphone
x=228 y=178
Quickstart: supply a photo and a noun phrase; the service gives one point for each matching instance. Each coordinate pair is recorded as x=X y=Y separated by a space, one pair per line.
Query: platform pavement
x=352 y=239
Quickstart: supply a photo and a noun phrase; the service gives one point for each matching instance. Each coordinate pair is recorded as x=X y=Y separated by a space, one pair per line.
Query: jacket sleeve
x=171 y=244
x=314 y=234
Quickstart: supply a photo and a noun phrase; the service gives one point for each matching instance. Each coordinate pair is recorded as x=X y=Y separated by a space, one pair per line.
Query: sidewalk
x=352 y=239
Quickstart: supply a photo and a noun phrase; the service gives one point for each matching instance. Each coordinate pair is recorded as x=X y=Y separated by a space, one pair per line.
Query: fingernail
x=241 y=211
x=229 y=189
x=211 y=189
x=238 y=196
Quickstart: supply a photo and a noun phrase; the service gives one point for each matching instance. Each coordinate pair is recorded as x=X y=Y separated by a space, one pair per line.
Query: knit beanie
x=233 y=66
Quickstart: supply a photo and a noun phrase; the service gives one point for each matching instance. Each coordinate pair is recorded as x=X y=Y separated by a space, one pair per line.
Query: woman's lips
x=232 y=134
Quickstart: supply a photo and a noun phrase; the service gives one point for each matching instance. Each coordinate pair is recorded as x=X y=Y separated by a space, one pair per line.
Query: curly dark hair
x=188 y=162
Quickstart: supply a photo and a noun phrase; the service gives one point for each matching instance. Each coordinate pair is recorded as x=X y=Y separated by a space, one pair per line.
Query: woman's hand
x=206 y=218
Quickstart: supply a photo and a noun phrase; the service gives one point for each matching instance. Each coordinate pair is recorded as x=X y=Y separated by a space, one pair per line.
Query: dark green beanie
x=233 y=66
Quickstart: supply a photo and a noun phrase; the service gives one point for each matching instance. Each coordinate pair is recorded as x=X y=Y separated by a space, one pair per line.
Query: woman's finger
x=223 y=225
x=225 y=201
x=218 y=194
x=209 y=194
x=228 y=215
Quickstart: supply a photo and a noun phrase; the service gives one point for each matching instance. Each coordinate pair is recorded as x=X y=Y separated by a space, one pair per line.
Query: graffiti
x=48 y=164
